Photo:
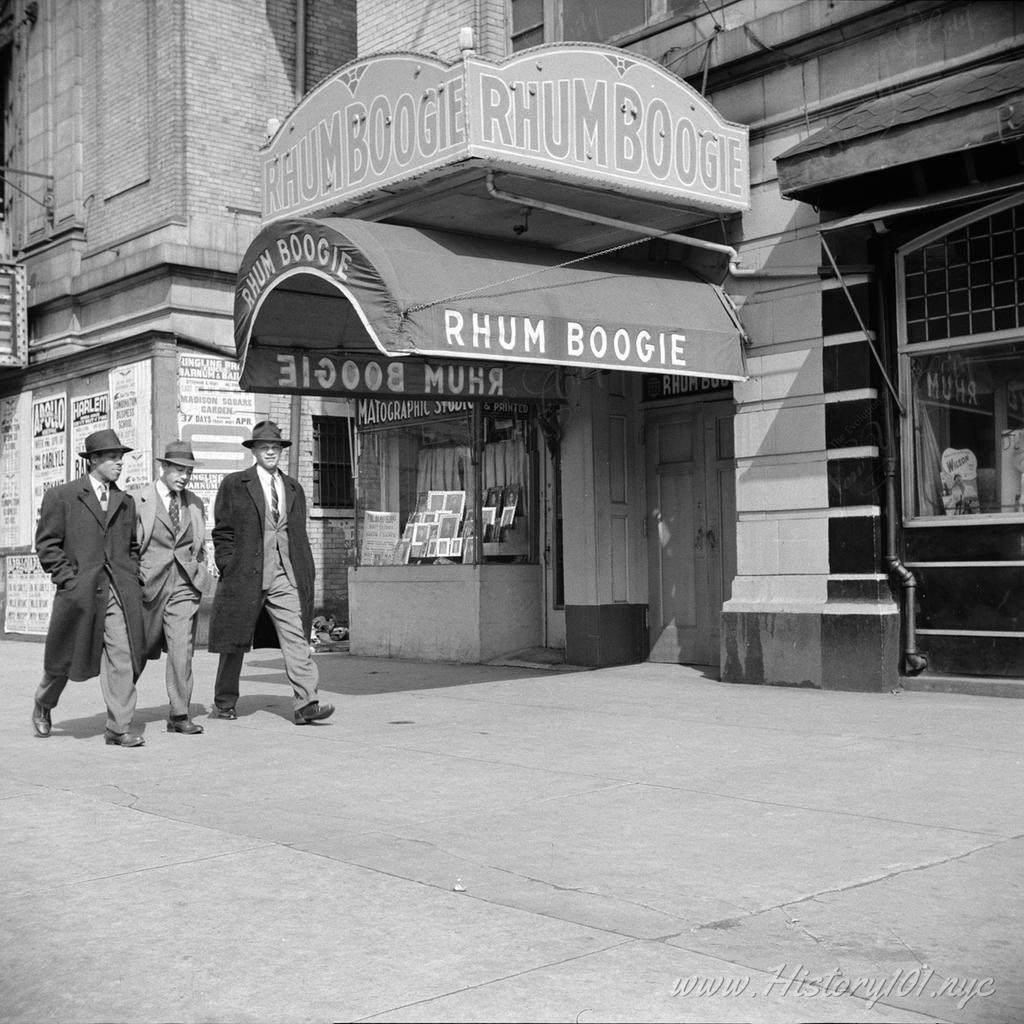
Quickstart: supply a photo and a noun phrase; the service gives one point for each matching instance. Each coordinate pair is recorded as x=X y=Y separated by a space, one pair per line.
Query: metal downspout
x=913 y=661
x=300 y=49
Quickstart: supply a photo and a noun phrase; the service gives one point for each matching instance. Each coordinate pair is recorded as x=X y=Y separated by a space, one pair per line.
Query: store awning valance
x=335 y=289
x=959 y=112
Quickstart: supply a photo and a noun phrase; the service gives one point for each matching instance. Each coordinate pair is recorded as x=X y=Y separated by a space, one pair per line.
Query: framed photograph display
x=461 y=480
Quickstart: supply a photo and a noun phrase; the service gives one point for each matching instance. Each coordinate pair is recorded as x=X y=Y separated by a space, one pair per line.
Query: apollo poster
x=49 y=445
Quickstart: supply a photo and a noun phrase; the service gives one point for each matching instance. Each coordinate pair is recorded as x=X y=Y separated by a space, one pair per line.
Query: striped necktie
x=275 y=508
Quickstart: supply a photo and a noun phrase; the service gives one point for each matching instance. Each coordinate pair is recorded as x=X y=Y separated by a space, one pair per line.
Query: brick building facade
x=130 y=192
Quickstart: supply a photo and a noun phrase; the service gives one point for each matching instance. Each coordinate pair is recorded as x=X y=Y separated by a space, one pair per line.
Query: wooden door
x=691 y=528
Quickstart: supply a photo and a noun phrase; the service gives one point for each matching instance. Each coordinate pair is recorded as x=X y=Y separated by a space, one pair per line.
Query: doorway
x=691 y=528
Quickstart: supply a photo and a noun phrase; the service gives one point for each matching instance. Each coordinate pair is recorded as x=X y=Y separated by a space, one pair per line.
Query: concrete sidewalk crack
x=500 y=978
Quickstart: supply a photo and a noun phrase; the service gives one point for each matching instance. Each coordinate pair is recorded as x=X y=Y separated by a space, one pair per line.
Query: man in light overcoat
x=86 y=541
x=264 y=596
x=172 y=533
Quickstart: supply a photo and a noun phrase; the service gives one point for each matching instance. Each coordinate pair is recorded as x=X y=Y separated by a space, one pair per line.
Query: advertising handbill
x=49 y=445
x=15 y=478
x=379 y=537
x=214 y=417
x=131 y=394
x=88 y=414
x=29 y=596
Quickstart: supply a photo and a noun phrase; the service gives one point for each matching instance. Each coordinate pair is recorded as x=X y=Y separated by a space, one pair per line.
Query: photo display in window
x=969 y=431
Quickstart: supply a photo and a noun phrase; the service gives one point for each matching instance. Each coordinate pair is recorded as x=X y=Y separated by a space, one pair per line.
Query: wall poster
x=131 y=404
x=29 y=596
x=215 y=417
x=49 y=445
x=16 y=521
x=89 y=413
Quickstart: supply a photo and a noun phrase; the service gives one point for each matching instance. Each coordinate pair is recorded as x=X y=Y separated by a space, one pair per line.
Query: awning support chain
x=519 y=277
x=864 y=330
x=672 y=236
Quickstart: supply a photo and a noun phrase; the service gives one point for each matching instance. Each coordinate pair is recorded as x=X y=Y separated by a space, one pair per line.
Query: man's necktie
x=172 y=508
x=103 y=497
x=275 y=508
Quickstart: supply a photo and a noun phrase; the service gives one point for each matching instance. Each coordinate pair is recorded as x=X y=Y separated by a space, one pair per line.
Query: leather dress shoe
x=41 y=720
x=314 y=712
x=122 y=739
x=184 y=725
x=228 y=713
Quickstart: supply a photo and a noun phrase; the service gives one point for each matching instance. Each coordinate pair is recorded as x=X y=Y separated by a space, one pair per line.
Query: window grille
x=332 y=462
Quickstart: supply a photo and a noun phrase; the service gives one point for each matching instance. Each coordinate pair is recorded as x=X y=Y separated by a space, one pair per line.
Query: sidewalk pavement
x=467 y=843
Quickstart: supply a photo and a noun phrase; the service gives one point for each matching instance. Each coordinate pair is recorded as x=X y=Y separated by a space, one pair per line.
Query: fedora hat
x=180 y=454
x=266 y=430
x=103 y=441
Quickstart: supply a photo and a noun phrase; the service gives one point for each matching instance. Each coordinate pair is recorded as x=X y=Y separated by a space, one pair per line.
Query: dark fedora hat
x=266 y=430
x=179 y=453
x=103 y=441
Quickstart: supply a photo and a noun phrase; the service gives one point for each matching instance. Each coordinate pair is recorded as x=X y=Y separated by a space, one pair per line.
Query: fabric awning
x=960 y=112
x=340 y=287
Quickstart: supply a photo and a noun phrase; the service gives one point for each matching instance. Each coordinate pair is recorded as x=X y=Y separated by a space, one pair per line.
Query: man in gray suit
x=172 y=531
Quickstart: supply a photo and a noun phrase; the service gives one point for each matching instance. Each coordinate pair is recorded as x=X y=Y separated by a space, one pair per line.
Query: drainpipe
x=567 y=211
x=914 y=661
x=300 y=49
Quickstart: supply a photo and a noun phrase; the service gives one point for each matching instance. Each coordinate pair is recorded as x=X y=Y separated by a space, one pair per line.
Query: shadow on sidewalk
x=351 y=676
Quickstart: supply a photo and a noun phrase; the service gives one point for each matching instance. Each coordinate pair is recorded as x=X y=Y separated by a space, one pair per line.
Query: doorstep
x=977 y=686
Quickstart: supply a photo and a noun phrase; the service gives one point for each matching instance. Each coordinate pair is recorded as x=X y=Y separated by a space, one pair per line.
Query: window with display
x=454 y=487
x=963 y=367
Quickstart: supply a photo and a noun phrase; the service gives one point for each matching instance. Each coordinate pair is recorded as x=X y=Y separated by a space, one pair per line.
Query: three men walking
x=130 y=574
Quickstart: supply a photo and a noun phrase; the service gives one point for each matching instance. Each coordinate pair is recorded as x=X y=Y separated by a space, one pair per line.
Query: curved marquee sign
x=402 y=291
x=584 y=114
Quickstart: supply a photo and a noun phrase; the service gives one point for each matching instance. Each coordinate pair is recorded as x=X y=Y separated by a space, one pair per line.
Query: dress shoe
x=122 y=739
x=41 y=720
x=228 y=713
x=313 y=713
x=183 y=725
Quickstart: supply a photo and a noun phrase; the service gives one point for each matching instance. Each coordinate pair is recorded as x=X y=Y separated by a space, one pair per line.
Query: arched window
x=961 y=333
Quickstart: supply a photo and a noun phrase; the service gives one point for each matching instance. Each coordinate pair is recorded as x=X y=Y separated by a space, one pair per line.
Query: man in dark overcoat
x=86 y=541
x=266 y=573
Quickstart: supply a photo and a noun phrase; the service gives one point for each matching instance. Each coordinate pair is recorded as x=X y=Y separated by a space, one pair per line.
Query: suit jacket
x=239 y=517
x=158 y=553
x=85 y=551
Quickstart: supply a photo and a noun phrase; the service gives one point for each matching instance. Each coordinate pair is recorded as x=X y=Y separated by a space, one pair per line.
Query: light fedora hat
x=267 y=430
x=103 y=441
x=180 y=454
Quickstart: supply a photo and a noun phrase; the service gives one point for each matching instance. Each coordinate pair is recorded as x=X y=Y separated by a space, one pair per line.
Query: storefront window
x=455 y=487
x=964 y=368
x=969 y=431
